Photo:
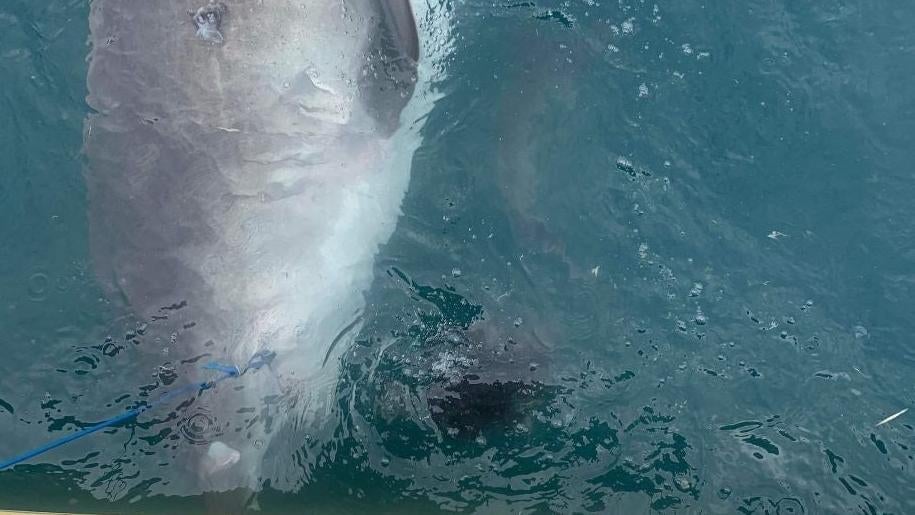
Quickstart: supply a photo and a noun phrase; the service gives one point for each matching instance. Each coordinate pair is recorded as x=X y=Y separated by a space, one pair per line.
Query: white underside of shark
x=241 y=167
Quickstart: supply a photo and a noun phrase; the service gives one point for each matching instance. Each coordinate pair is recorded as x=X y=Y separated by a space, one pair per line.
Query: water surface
x=670 y=244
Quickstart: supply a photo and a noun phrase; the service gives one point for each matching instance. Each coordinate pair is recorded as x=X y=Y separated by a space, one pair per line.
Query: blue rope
x=257 y=361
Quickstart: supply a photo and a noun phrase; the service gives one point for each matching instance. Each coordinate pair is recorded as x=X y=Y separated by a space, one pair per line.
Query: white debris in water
x=219 y=457
x=776 y=235
x=686 y=48
x=643 y=90
x=449 y=364
x=643 y=250
x=595 y=270
x=891 y=418
x=629 y=26
x=683 y=483
x=700 y=318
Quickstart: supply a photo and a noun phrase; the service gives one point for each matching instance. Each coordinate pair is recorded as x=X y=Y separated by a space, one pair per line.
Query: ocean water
x=654 y=257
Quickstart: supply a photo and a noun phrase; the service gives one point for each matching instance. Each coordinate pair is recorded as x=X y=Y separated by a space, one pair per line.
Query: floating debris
x=643 y=251
x=775 y=235
x=891 y=418
x=700 y=318
x=683 y=483
x=643 y=90
x=625 y=165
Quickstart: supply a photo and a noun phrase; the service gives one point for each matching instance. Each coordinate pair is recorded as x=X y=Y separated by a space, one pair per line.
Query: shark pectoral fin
x=400 y=23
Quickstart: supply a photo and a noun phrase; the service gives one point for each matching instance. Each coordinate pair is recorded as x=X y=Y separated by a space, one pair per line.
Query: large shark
x=245 y=161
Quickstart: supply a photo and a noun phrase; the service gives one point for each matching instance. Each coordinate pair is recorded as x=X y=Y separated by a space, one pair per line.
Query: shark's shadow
x=450 y=381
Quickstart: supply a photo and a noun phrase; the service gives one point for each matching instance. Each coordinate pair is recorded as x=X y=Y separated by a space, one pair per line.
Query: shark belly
x=245 y=161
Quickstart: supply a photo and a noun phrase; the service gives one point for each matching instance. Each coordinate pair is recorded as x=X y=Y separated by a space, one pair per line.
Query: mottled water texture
x=654 y=257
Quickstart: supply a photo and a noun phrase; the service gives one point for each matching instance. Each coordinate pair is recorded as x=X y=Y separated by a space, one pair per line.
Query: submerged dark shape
x=466 y=383
x=468 y=409
x=501 y=380
x=464 y=370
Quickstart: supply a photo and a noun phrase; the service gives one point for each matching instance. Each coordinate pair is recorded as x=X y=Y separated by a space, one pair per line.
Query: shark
x=245 y=161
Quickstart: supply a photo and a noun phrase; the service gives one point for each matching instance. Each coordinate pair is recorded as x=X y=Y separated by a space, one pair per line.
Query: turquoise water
x=674 y=240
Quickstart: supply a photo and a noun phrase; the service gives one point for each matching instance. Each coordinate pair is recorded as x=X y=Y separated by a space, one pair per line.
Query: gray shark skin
x=245 y=160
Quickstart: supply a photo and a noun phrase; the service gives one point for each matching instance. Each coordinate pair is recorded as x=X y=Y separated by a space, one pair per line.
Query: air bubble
x=38 y=286
x=199 y=428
